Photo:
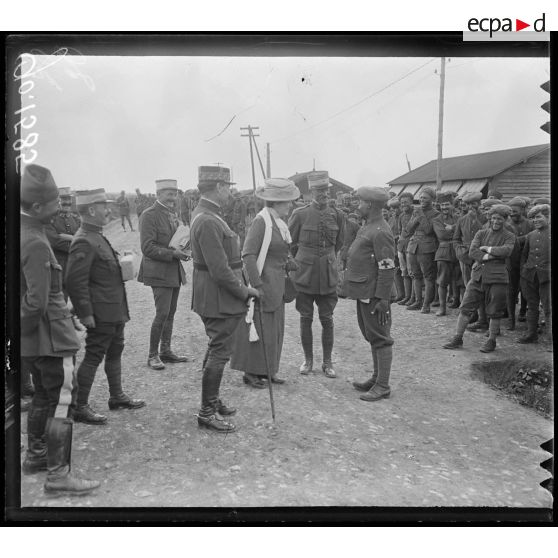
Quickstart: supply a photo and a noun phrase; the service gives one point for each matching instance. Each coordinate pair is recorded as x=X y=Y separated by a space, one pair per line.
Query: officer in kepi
x=219 y=291
x=96 y=288
x=48 y=341
x=368 y=280
x=317 y=236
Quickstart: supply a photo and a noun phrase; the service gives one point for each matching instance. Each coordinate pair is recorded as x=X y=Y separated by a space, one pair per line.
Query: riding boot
x=154 y=338
x=208 y=415
x=26 y=386
x=36 y=455
x=408 y=286
x=381 y=389
x=307 y=345
x=367 y=384
x=113 y=370
x=85 y=376
x=399 y=286
x=417 y=287
x=327 y=340
x=413 y=298
x=442 y=295
x=59 y=479
x=429 y=290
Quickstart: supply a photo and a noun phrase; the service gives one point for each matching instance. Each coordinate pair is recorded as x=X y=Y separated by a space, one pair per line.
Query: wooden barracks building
x=523 y=171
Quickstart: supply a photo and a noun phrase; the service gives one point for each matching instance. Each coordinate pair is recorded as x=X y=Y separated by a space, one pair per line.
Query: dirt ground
x=442 y=439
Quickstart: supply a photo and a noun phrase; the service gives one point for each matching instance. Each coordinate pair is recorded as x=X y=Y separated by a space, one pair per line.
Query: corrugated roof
x=467 y=167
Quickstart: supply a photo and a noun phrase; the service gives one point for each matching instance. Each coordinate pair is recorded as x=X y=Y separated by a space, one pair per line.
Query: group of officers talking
x=387 y=250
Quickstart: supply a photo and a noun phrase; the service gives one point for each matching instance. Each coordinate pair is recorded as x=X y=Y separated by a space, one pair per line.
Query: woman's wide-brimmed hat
x=278 y=190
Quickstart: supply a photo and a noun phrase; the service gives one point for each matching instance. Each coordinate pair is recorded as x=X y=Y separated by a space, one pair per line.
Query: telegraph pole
x=259 y=158
x=268 y=160
x=440 y=126
x=251 y=136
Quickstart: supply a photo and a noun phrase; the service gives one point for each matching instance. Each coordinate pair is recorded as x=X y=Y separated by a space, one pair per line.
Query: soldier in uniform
x=352 y=226
x=48 y=341
x=369 y=280
x=317 y=237
x=219 y=292
x=124 y=210
x=60 y=231
x=97 y=291
x=535 y=272
x=489 y=278
x=406 y=202
x=422 y=249
x=444 y=226
x=465 y=229
x=161 y=269
x=142 y=202
x=394 y=205
x=521 y=227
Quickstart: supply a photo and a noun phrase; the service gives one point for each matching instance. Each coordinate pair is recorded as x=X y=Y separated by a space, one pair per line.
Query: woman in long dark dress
x=268 y=230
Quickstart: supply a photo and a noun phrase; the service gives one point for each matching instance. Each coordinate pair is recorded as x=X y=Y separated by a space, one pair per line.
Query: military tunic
x=48 y=341
x=317 y=236
x=535 y=273
x=62 y=223
x=448 y=265
x=465 y=230
x=219 y=291
x=489 y=278
x=369 y=278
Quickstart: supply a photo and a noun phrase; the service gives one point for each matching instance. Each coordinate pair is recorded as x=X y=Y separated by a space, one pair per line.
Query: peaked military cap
x=373 y=194
x=88 y=197
x=166 y=184
x=318 y=180
x=541 y=201
x=209 y=175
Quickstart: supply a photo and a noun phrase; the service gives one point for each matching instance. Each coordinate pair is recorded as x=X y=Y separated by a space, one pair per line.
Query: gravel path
x=442 y=439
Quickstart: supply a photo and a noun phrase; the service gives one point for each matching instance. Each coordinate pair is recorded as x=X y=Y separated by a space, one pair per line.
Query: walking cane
x=269 y=382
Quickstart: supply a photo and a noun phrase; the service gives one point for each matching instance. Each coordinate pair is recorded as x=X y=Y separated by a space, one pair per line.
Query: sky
x=123 y=122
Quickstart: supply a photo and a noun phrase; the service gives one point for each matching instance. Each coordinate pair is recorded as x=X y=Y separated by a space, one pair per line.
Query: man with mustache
x=317 y=236
x=161 y=270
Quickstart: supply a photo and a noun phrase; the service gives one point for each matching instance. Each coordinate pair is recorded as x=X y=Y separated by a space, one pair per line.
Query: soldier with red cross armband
x=368 y=280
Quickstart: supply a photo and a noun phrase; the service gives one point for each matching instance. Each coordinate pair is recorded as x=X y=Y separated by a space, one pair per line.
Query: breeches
x=536 y=292
x=377 y=335
x=494 y=296
x=422 y=266
x=54 y=381
x=447 y=272
x=221 y=338
x=104 y=341
x=325 y=303
x=166 y=299
x=403 y=263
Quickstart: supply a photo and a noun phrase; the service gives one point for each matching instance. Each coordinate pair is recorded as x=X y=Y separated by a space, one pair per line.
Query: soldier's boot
x=417 y=287
x=328 y=338
x=522 y=308
x=307 y=345
x=118 y=399
x=413 y=298
x=442 y=294
x=531 y=336
x=367 y=384
x=408 y=286
x=456 y=295
x=399 y=287
x=60 y=481
x=456 y=342
x=481 y=324
x=436 y=302
x=429 y=290
x=208 y=415
x=36 y=455
x=26 y=387
x=83 y=412
x=381 y=389
x=512 y=302
x=165 y=352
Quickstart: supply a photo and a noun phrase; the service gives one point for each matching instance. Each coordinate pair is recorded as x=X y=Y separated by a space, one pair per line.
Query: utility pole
x=251 y=135
x=268 y=160
x=259 y=158
x=440 y=126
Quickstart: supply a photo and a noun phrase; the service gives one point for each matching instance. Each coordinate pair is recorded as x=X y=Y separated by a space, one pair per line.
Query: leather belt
x=203 y=267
